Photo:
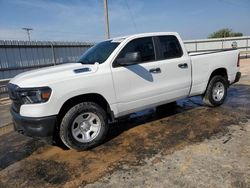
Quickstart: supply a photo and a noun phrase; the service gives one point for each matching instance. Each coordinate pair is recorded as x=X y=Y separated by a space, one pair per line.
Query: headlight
x=34 y=95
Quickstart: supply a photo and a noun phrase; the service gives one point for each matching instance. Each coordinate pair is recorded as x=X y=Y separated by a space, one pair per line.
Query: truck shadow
x=141 y=71
x=150 y=115
x=238 y=99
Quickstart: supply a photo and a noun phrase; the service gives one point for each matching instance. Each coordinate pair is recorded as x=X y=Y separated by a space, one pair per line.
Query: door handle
x=156 y=70
x=183 y=65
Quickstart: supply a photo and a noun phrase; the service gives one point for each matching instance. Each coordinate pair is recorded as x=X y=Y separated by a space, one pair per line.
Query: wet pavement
x=27 y=162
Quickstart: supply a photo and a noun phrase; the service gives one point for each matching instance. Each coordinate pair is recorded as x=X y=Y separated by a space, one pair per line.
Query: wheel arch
x=90 y=97
x=219 y=71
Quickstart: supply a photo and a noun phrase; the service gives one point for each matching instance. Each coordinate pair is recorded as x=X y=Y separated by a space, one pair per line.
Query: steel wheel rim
x=86 y=127
x=218 y=91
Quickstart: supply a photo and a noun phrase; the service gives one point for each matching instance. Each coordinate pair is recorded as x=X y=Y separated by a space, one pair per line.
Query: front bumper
x=34 y=127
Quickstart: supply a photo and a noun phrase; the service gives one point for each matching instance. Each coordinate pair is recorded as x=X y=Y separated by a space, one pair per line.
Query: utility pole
x=27 y=31
x=106 y=15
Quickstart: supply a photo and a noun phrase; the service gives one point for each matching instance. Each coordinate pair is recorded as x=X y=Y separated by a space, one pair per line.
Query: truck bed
x=203 y=64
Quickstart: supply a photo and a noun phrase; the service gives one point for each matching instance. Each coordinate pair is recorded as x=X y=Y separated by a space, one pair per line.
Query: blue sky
x=82 y=20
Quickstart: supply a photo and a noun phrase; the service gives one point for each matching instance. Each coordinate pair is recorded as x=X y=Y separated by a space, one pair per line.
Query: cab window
x=144 y=46
x=169 y=47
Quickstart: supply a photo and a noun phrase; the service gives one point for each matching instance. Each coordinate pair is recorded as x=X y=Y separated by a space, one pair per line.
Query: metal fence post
x=247 y=48
x=53 y=53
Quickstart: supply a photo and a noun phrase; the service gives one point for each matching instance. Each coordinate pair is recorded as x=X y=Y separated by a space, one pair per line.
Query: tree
x=223 y=33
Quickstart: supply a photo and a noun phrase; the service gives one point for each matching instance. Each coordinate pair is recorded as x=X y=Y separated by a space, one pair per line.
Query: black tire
x=66 y=134
x=208 y=98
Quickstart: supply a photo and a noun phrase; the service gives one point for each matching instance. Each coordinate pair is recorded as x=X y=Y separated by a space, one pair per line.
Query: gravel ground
x=221 y=161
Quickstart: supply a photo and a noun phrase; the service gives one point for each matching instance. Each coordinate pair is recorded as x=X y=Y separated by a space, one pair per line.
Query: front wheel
x=216 y=91
x=84 y=126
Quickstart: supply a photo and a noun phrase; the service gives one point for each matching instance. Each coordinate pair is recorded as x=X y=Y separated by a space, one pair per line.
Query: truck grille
x=13 y=94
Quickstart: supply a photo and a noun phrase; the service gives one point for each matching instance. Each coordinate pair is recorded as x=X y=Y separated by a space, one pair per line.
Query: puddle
x=15 y=147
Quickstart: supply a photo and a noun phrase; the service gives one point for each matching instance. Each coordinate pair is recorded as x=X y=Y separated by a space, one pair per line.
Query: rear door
x=176 y=65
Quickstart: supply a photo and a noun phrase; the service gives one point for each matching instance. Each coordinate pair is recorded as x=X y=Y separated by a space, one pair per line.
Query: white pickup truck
x=114 y=78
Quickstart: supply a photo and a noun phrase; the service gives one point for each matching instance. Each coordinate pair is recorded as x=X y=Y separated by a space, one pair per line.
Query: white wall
x=243 y=44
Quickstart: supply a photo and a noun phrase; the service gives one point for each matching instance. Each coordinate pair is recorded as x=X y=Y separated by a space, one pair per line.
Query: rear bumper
x=34 y=127
x=237 y=77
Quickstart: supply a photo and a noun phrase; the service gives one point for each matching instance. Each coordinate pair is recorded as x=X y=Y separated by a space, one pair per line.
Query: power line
x=131 y=16
x=234 y=3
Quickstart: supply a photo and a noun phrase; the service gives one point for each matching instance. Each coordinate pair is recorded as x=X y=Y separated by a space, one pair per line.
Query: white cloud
x=81 y=19
x=78 y=19
x=12 y=34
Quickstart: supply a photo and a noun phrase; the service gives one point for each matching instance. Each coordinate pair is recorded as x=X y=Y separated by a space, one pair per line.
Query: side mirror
x=129 y=59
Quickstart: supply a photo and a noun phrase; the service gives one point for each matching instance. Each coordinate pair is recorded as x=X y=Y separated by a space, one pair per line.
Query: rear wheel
x=216 y=91
x=84 y=126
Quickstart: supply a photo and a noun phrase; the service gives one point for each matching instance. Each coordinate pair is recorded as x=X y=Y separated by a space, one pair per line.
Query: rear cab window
x=169 y=47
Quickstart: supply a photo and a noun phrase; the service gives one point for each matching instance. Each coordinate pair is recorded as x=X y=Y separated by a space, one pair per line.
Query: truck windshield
x=99 y=52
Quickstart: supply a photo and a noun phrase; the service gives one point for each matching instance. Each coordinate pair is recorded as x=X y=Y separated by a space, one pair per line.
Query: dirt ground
x=182 y=145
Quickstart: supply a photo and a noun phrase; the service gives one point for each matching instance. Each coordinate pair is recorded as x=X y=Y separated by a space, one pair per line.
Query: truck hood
x=46 y=76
